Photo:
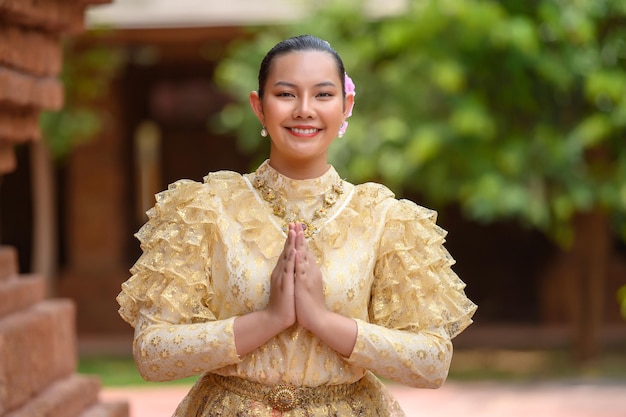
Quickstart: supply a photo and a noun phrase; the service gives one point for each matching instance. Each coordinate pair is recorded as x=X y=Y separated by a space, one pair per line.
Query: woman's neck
x=300 y=171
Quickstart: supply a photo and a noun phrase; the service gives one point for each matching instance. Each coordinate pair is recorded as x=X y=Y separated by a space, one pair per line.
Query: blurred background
x=507 y=117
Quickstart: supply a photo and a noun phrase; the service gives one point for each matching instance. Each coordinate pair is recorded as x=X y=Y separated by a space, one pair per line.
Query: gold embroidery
x=278 y=202
x=203 y=240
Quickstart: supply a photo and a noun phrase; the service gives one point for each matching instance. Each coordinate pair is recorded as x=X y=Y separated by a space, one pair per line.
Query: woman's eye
x=284 y=94
x=325 y=95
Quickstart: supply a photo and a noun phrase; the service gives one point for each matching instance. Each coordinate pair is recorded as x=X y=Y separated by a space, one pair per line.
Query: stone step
x=67 y=397
x=112 y=409
x=20 y=293
x=38 y=347
x=8 y=263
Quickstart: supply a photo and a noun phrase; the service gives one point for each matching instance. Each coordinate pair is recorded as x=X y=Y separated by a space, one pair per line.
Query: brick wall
x=37 y=335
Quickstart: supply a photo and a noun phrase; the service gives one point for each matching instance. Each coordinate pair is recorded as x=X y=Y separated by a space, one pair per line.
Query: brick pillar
x=38 y=352
x=37 y=335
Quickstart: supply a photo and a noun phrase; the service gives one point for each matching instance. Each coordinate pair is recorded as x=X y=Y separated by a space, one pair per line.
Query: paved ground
x=454 y=399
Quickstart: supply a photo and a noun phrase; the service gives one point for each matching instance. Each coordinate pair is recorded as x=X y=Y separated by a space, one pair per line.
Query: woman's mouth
x=304 y=132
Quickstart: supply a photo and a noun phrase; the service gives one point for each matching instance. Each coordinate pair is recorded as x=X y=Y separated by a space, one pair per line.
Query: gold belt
x=285 y=397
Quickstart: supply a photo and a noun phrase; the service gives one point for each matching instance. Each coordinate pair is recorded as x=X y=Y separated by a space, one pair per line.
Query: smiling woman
x=288 y=289
x=302 y=104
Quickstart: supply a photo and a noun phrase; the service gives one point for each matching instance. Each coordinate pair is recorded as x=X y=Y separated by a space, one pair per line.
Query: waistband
x=285 y=397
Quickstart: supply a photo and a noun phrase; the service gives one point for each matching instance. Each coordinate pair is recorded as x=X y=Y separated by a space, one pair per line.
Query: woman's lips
x=304 y=131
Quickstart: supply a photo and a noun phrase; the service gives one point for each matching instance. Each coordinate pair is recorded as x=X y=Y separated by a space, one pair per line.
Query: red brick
x=30 y=50
x=113 y=409
x=23 y=90
x=38 y=347
x=68 y=397
x=19 y=125
x=52 y=15
x=20 y=293
x=8 y=262
x=8 y=162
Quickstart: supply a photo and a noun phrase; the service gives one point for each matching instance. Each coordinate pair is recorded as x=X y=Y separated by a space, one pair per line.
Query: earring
x=342 y=129
x=264 y=132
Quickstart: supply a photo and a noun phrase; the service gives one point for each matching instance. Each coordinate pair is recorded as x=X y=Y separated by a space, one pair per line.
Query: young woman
x=288 y=289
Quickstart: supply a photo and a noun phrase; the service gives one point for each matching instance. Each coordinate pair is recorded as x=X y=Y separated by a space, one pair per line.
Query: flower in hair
x=350 y=90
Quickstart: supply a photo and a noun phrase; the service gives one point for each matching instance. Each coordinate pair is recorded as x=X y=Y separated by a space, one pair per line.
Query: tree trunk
x=589 y=257
x=44 y=256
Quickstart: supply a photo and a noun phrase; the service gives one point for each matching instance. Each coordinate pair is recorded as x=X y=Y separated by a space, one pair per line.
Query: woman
x=289 y=288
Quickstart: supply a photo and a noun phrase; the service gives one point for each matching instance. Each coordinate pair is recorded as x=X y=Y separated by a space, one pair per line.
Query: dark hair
x=299 y=43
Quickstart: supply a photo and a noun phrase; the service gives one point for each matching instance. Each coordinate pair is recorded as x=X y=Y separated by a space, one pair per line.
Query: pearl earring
x=342 y=129
x=264 y=132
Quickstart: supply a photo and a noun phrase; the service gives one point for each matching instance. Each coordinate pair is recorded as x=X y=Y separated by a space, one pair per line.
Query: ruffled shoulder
x=366 y=206
x=372 y=194
x=360 y=212
x=416 y=287
x=172 y=276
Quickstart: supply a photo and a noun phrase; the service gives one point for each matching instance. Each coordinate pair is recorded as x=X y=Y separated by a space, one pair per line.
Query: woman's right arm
x=168 y=297
x=168 y=347
x=166 y=351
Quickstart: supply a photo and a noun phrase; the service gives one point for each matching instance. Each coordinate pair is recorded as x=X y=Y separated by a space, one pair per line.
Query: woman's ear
x=348 y=104
x=257 y=106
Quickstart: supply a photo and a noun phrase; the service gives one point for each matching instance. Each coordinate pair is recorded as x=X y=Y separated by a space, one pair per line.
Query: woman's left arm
x=336 y=331
x=418 y=359
x=417 y=302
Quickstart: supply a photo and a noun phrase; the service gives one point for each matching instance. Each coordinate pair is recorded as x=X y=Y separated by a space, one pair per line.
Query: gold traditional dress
x=208 y=252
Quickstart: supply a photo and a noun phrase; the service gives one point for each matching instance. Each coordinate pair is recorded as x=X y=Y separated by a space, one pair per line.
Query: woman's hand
x=281 y=306
x=296 y=294
x=337 y=331
x=256 y=328
x=309 y=285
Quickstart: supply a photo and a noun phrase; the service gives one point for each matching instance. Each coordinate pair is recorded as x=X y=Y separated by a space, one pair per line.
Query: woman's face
x=302 y=108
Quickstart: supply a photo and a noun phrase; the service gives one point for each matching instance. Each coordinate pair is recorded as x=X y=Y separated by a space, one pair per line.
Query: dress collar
x=297 y=189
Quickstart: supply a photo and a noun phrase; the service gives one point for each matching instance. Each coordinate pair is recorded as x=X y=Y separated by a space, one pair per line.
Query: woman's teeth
x=304 y=131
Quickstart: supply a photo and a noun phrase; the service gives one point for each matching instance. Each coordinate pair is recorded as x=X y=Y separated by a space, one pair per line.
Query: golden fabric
x=208 y=399
x=209 y=249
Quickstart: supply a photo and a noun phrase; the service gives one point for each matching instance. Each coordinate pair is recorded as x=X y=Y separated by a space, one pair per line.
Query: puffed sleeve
x=169 y=295
x=417 y=305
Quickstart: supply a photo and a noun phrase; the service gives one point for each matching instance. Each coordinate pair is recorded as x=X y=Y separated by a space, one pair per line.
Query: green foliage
x=467 y=365
x=86 y=77
x=117 y=371
x=512 y=109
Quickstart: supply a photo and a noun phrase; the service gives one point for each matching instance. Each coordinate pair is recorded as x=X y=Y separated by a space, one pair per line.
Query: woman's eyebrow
x=325 y=84
x=284 y=84
x=291 y=85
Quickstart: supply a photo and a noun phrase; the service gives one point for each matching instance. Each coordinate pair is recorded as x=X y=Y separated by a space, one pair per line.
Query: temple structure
x=38 y=348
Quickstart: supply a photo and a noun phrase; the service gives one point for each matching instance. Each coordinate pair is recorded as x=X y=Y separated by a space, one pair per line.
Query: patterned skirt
x=218 y=396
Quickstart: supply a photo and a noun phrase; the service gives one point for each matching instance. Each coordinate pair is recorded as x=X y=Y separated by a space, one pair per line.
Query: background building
x=157 y=109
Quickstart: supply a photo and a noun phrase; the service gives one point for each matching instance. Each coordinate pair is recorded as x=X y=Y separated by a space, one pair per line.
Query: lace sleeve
x=416 y=288
x=173 y=274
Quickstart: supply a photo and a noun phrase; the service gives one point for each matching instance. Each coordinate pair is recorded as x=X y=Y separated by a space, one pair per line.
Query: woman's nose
x=304 y=109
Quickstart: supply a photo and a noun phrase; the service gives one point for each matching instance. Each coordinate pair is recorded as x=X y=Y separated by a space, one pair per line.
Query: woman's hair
x=298 y=43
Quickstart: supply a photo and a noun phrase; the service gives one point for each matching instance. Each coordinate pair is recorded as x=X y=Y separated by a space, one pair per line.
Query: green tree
x=87 y=73
x=511 y=109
